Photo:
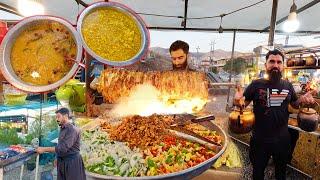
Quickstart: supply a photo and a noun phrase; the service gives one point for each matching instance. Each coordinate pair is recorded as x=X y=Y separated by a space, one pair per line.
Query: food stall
x=304 y=62
x=143 y=119
x=19 y=134
x=168 y=153
x=13 y=157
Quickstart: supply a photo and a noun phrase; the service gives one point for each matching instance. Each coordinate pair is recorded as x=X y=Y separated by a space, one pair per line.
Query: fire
x=145 y=100
x=313 y=85
x=316 y=81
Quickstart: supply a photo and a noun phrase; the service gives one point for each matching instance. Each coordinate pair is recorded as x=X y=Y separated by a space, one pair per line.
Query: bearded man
x=179 y=52
x=270 y=135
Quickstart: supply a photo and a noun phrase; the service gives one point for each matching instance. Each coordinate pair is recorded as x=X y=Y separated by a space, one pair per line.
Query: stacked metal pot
x=303 y=61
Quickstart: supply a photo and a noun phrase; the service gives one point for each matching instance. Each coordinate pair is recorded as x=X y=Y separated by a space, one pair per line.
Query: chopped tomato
x=162 y=169
x=165 y=148
x=211 y=155
x=207 y=156
x=190 y=163
x=183 y=143
x=202 y=151
x=202 y=158
x=154 y=152
x=198 y=161
x=170 y=140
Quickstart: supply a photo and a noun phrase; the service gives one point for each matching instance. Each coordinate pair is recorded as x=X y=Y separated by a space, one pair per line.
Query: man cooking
x=69 y=161
x=179 y=51
x=271 y=97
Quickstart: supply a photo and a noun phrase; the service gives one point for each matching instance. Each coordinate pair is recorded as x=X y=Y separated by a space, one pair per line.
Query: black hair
x=179 y=45
x=274 y=52
x=63 y=111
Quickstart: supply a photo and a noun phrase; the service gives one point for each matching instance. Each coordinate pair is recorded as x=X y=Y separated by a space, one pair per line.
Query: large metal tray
x=185 y=174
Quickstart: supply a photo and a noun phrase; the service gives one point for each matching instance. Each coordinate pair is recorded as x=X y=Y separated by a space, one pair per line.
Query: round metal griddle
x=184 y=174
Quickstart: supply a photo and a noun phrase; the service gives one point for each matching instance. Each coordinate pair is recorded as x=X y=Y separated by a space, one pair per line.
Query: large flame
x=313 y=85
x=145 y=100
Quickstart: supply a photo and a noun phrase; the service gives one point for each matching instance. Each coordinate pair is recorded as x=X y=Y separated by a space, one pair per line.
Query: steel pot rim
x=6 y=47
x=145 y=36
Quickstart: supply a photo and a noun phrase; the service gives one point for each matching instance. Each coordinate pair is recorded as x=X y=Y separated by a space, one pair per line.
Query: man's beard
x=60 y=123
x=180 y=66
x=274 y=75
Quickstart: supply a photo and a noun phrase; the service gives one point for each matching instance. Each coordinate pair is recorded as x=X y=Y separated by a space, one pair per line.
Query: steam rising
x=146 y=100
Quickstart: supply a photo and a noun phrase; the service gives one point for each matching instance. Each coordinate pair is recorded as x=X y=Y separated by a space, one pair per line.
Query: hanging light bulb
x=30 y=7
x=220 y=30
x=292 y=24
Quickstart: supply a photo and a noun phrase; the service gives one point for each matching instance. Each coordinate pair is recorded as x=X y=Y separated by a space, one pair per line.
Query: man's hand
x=41 y=150
x=238 y=97
x=307 y=99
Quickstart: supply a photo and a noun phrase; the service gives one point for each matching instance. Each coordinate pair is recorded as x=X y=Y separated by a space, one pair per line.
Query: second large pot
x=311 y=61
x=308 y=119
x=113 y=39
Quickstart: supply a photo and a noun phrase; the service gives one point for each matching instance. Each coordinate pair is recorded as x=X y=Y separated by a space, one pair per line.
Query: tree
x=239 y=65
x=214 y=69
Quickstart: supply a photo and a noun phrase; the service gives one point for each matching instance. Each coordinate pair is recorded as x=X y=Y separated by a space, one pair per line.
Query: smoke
x=146 y=100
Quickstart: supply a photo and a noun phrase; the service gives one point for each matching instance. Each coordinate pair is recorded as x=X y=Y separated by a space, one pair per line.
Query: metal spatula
x=185 y=119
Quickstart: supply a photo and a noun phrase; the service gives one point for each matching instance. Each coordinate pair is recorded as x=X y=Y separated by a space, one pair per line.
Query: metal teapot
x=241 y=120
x=308 y=118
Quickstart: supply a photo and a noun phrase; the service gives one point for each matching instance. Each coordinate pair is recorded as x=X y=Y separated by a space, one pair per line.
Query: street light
x=292 y=24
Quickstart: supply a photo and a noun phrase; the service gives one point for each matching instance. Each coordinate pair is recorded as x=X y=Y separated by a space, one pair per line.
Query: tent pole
x=185 y=14
x=273 y=22
x=232 y=53
x=231 y=68
x=9 y=9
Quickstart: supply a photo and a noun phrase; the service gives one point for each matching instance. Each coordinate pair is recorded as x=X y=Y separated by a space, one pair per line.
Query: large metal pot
x=299 y=62
x=308 y=119
x=6 y=47
x=290 y=62
x=185 y=174
x=241 y=120
x=145 y=39
x=311 y=61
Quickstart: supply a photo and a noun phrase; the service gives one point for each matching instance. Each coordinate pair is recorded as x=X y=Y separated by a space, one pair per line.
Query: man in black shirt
x=271 y=98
